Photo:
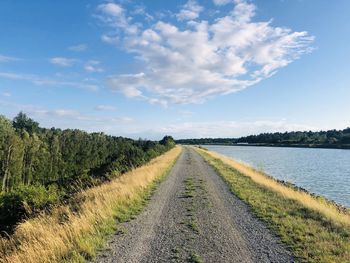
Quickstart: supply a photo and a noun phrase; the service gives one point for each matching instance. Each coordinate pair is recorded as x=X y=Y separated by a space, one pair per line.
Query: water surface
x=321 y=171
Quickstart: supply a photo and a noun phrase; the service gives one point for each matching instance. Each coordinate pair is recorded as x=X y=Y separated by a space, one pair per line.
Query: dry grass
x=70 y=236
x=330 y=211
x=311 y=227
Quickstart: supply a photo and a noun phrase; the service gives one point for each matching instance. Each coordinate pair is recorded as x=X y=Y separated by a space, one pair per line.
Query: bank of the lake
x=312 y=146
x=313 y=228
x=325 y=172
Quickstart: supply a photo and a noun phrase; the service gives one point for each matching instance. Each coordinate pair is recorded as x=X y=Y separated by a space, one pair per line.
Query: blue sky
x=205 y=68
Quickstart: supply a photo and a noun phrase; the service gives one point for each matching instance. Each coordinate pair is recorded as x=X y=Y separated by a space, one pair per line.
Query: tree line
x=40 y=167
x=328 y=139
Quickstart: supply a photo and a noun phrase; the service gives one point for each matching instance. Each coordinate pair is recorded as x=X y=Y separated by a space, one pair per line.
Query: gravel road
x=193 y=217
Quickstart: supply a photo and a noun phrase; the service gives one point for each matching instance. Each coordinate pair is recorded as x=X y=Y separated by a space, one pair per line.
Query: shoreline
x=306 y=146
x=341 y=207
x=315 y=228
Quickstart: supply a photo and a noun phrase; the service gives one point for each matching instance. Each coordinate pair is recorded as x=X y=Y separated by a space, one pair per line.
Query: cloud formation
x=190 y=11
x=78 y=48
x=222 y=2
x=66 y=118
x=105 y=108
x=63 y=62
x=229 y=129
x=198 y=59
x=93 y=66
x=45 y=81
x=115 y=16
x=4 y=58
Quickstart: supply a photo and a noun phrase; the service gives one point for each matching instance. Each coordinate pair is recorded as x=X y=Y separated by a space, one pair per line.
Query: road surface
x=193 y=217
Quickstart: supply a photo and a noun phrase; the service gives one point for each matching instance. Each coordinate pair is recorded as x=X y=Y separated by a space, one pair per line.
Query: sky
x=190 y=69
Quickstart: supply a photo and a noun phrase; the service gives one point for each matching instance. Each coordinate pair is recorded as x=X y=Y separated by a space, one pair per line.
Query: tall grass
x=313 y=228
x=72 y=233
x=324 y=207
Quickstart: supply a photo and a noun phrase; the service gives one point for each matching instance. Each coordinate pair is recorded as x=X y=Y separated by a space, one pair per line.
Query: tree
x=11 y=151
x=167 y=141
x=31 y=144
x=23 y=122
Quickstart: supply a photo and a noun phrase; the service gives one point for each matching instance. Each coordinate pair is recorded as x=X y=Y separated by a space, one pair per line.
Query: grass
x=75 y=236
x=190 y=192
x=314 y=229
x=176 y=253
x=189 y=188
x=195 y=258
x=192 y=224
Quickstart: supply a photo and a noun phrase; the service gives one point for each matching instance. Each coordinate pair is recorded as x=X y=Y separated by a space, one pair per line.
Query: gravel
x=193 y=217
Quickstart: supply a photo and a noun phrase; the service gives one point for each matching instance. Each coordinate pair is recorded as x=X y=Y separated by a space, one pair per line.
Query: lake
x=324 y=172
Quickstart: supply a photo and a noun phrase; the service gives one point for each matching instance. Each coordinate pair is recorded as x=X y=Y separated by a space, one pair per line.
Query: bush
x=24 y=201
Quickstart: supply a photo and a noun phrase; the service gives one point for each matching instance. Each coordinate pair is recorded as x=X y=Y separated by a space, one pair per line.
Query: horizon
x=184 y=139
x=191 y=69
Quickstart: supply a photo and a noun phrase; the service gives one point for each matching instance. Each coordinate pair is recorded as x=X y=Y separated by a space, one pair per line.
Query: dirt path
x=193 y=217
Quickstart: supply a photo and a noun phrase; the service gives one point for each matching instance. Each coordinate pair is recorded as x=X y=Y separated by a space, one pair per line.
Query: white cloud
x=44 y=81
x=222 y=2
x=190 y=11
x=63 y=62
x=4 y=58
x=127 y=84
x=78 y=48
x=141 y=10
x=61 y=113
x=155 y=101
x=114 y=15
x=111 y=9
x=124 y=125
x=198 y=60
x=70 y=119
x=186 y=113
x=232 y=129
x=243 y=11
x=93 y=66
x=6 y=94
x=105 y=108
x=74 y=119
x=110 y=39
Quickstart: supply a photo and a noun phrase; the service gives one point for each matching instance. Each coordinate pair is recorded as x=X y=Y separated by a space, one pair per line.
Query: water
x=324 y=172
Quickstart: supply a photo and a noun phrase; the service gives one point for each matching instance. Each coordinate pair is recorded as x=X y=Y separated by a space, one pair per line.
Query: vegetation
x=325 y=139
x=315 y=229
x=74 y=232
x=195 y=258
x=41 y=167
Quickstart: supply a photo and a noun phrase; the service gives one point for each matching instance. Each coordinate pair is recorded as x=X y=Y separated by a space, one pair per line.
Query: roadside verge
x=74 y=233
x=314 y=229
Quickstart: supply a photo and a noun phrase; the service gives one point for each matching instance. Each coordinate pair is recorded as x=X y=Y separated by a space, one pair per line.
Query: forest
x=324 y=139
x=42 y=167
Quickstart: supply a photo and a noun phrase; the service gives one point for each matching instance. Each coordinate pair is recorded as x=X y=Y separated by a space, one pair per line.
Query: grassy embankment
x=75 y=233
x=313 y=228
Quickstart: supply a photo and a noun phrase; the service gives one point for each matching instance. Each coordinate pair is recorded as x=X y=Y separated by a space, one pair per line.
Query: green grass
x=176 y=252
x=195 y=258
x=192 y=224
x=309 y=235
x=89 y=245
x=190 y=192
x=189 y=188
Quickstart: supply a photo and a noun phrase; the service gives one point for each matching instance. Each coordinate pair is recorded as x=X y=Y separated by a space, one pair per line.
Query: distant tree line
x=40 y=167
x=329 y=139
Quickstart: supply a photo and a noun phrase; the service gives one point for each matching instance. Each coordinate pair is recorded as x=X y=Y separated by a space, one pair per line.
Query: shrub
x=24 y=201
